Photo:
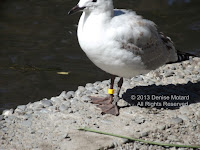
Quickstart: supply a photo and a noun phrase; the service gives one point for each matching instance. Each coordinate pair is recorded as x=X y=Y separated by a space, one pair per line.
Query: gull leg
x=116 y=98
x=106 y=103
x=104 y=100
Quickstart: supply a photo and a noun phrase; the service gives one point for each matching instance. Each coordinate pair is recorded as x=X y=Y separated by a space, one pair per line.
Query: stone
x=70 y=94
x=81 y=88
x=63 y=108
x=63 y=94
x=85 y=98
x=7 y=112
x=176 y=120
x=22 y=107
x=26 y=123
x=139 y=120
x=1 y=117
x=46 y=103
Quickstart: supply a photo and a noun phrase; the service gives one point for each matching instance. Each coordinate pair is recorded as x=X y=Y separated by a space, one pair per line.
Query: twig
x=139 y=140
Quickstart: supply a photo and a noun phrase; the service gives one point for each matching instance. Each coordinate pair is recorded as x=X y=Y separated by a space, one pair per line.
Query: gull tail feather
x=182 y=56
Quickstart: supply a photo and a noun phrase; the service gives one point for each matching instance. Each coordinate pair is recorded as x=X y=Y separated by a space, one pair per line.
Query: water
x=38 y=39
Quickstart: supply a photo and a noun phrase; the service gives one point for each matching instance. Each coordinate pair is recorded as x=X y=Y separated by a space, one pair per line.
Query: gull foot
x=101 y=100
x=105 y=103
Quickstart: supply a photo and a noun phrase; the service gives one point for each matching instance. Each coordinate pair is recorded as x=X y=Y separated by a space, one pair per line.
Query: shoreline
x=53 y=123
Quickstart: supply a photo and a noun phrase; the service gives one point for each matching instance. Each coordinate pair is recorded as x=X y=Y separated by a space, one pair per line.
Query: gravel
x=161 y=106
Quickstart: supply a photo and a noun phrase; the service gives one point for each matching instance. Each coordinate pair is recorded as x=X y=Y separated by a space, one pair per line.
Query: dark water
x=38 y=39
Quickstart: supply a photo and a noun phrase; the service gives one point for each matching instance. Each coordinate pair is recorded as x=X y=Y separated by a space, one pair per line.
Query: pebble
x=66 y=136
x=7 y=112
x=161 y=127
x=85 y=98
x=89 y=85
x=139 y=120
x=122 y=103
x=184 y=110
x=172 y=138
x=137 y=79
x=46 y=103
x=22 y=107
x=70 y=95
x=1 y=117
x=97 y=83
x=81 y=88
x=143 y=134
x=169 y=73
x=63 y=108
x=107 y=121
x=26 y=123
x=176 y=120
x=70 y=110
x=63 y=94
x=67 y=103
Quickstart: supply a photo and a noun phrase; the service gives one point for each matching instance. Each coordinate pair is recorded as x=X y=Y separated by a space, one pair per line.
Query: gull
x=121 y=43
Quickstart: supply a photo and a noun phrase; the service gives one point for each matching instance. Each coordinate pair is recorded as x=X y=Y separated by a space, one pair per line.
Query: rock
x=26 y=123
x=176 y=120
x=70 y=110
x=66 y=136
x=70 y=95
x=172 y=138
x=81 y=88
x=137 y=79
x=74 y=101
x=46 y=103
x=89 y=85
x=184 y=110
x=96 y=83
x=63 y=108
x=161 y=127
x=7 y=112
x=107 y=121
x=151 y=82
x=184 y=117
x=85 y=98
x=37 y=106
x=143 y=134
x=1 y=117
x=122 y=103
x=139 y=120
x=22 y=107
x=63 y=94
x=67 y=103
x=78 y=94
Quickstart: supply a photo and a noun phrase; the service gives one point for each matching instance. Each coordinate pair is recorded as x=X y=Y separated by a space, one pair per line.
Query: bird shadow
x=163 y=96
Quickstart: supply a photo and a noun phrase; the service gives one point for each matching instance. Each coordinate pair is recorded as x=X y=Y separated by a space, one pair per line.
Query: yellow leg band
x=110 y=91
